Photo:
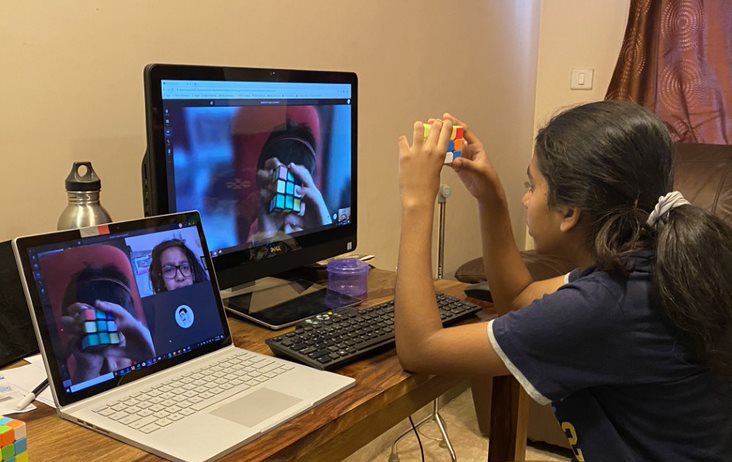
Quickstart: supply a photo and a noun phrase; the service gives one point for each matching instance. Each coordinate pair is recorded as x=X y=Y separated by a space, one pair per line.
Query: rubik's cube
x=287 y=198
x=455 y=148
x=100 y=330
x=13 y=440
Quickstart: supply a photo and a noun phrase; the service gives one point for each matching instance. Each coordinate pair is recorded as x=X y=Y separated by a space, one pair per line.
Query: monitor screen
x=268 y=157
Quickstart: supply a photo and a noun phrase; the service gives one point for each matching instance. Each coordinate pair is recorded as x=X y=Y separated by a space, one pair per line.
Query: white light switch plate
x=581 y=79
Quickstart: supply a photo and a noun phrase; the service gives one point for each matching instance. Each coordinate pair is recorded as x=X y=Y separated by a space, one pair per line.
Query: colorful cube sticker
x=98 y=330
x=8 y=451
x=456 y=144
x=13 y=441
x=457 y=131
x=288 y=197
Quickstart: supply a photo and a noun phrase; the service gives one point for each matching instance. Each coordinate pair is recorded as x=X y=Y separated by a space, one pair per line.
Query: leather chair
x=702 y=173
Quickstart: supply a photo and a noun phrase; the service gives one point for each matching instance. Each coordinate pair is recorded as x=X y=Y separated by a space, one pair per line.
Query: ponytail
x=693 y=279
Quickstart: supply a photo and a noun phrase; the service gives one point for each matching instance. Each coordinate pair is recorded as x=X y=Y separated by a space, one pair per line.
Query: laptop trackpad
x=256 y=407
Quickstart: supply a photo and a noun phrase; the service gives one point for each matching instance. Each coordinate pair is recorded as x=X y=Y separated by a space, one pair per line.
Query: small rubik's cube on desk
x=100 y=330
x=455 y=148
x=287 y=198
x=13 y=440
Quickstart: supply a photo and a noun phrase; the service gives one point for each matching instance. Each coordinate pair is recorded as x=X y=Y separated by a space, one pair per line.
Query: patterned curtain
x=676 y=60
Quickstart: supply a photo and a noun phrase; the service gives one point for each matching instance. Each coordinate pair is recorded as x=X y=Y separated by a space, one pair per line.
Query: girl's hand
x=420 y=163
x=267 y=223
x=137 y=339
x=315 y=211
x=89 y=363
x=474 y=169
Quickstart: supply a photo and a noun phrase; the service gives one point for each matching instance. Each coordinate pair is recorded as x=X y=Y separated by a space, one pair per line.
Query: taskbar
x=139 y=365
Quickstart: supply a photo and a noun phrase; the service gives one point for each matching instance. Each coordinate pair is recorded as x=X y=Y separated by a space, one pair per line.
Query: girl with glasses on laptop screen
x=633 y=348
x=174 y=265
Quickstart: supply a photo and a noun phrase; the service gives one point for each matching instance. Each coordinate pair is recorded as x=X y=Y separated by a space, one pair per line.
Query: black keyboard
x=334 y=339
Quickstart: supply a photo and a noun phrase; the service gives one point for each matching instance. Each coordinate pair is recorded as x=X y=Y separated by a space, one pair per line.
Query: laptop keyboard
x=155 y=407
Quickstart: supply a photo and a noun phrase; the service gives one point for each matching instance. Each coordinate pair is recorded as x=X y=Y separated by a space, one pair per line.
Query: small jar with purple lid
x=349 y=277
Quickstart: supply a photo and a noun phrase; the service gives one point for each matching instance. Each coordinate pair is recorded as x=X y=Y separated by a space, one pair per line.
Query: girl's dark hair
x=106 y=283
x=613 y=160
x=156 y=272
x=290 y=143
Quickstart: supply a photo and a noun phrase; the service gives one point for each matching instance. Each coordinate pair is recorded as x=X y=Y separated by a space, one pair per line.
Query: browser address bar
x=187 y=89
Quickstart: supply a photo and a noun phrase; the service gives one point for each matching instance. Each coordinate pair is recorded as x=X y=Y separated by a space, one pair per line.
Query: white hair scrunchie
x=664 y=205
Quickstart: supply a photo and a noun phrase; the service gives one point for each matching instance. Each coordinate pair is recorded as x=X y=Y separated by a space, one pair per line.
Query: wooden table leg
x=509 y=420
x=482 y=389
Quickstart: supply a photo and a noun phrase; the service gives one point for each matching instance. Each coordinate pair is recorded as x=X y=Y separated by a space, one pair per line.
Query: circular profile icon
x=184 y=316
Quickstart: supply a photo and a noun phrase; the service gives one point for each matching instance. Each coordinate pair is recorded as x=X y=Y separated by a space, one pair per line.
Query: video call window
x=227 y=162
x=120 y=302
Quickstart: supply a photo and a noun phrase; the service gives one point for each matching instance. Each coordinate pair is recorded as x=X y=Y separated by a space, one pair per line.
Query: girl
x=174 y=265
x=634 y=347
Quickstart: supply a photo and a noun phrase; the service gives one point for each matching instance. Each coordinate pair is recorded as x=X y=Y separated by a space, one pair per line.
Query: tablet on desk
x=313 y=301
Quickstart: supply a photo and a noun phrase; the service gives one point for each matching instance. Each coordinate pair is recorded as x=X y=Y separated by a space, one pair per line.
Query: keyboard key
x=173 y=409
x=129 y=419
x=106 y=412
x=142 y=422
x=150 y=428
x=164 y=422
x=119 y=415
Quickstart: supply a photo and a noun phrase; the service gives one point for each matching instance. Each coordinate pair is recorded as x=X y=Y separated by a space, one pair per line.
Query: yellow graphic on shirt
x=571 y=434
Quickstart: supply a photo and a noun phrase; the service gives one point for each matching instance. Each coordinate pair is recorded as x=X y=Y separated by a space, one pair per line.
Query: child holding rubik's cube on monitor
x=13 y=440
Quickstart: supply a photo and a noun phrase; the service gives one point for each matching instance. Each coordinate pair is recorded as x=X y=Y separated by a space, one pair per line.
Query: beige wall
x=72 y=90
x=576 y=34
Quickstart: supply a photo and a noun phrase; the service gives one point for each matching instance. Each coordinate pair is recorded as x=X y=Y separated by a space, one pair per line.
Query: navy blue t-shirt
x=622 y=385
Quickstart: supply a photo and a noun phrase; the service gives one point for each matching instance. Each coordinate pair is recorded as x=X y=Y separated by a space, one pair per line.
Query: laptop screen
x=116 y=304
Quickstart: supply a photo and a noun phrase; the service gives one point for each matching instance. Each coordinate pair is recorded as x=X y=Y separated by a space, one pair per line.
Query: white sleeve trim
x=533 y=392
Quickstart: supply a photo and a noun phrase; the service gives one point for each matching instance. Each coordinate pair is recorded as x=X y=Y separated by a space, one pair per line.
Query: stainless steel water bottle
x=82 y=187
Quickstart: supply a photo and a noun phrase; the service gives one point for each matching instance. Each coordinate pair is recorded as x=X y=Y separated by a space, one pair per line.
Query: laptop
x=136 y=343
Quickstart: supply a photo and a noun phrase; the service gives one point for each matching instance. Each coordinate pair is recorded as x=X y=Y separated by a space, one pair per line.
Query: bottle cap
x=348 y=266
x=89 y=181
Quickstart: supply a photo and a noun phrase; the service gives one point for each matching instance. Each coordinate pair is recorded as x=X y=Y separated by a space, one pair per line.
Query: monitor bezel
x=21 y=245
x=234 y=269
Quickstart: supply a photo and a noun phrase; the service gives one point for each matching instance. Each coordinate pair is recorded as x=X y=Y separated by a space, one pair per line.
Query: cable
x=419 y=440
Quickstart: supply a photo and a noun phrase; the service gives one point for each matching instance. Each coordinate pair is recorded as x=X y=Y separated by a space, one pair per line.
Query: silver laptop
x=136 y=343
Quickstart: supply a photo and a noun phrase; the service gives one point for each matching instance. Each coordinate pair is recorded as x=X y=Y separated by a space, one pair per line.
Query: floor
x=462 y=427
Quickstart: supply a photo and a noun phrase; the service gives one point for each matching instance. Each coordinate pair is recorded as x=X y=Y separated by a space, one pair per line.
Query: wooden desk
x=383 y=396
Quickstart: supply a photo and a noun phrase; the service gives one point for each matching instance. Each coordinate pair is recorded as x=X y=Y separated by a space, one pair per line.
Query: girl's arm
x=422 y=344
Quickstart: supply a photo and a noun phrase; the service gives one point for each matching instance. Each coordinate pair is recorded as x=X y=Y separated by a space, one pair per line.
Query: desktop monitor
x=267 y=156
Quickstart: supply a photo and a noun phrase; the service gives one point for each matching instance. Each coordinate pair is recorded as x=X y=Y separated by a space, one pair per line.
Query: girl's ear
x=570 y=219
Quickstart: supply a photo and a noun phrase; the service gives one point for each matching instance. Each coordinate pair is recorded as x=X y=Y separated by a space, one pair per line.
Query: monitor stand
x=277 y=303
